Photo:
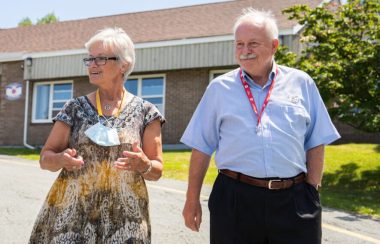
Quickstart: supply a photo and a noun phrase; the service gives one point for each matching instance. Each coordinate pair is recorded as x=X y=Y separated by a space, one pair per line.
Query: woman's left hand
x=134 y=160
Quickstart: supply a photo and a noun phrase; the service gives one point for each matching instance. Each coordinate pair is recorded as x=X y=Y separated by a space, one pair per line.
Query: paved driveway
x=23 y=187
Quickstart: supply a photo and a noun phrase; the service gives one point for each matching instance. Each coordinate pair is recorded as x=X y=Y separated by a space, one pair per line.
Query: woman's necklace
x=107 y=106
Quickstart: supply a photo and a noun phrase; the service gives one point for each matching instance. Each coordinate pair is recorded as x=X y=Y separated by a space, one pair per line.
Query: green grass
x=176 y=166
x=21 y=152
x=351 y=180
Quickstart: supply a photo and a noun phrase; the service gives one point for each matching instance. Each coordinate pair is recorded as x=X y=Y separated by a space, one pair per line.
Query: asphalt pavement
x=23 y=188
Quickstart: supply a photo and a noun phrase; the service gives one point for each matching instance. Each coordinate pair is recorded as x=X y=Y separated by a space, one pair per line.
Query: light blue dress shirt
x=294 y=121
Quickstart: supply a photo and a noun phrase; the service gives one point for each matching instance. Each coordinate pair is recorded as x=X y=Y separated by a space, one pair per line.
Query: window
x=49 y=98
x=281 y=39
x=216 y=73
x=149 y=88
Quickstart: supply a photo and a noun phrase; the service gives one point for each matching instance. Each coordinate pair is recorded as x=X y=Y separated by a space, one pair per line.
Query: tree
x=25 y=22
x=47 y=19
x=342 y=55
x=285 y=57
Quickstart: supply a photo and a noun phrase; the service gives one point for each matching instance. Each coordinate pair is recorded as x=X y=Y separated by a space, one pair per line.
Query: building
x=178 y=51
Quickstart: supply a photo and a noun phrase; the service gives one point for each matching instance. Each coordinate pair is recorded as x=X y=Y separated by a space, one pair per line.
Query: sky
x=12 y=12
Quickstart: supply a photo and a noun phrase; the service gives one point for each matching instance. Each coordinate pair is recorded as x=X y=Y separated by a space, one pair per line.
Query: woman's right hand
x=56 y=154
x=70 y=160
x=67 y=159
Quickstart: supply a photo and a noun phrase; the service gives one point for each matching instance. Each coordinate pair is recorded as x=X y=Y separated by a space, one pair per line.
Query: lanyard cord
x=99 y=106
x=252 y=100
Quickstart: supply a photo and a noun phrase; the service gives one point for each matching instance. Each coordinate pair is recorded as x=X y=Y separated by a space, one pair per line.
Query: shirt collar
x=271 y=76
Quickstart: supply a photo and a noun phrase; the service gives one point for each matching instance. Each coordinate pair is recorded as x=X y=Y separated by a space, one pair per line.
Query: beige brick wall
x=349 y=134
x=11 y=112
x=184 y=89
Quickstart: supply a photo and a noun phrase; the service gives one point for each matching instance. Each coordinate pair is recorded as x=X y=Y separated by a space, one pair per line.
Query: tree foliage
x=285 y=57
x=47 y=19
x=342 y=55
x=25 y=22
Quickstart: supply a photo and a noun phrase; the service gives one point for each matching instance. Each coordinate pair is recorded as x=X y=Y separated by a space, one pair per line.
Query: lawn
x=351 y=179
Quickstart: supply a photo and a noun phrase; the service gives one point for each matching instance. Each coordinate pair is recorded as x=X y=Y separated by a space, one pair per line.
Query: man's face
x=254 y=49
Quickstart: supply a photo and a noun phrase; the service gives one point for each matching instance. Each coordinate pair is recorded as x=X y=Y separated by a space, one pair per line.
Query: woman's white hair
x=119 y=43
x=264 y=18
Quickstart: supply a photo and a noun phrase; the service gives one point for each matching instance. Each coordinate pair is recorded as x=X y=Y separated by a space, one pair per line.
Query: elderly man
x=268 y=126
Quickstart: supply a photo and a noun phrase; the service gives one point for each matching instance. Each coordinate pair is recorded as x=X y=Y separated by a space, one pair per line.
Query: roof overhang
x=187 y=41
x=17 y=56
x=11 y=56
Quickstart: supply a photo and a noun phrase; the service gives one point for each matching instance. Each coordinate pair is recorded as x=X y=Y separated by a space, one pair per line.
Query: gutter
x=26 y=117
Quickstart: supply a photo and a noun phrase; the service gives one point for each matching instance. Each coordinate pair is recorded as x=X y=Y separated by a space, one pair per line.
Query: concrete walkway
x=23 y=187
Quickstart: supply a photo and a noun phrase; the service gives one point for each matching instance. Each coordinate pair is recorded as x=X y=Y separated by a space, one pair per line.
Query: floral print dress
x=98 y=203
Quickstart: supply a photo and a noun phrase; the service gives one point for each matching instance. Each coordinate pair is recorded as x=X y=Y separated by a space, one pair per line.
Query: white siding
x=147 y=59
x=55 y=67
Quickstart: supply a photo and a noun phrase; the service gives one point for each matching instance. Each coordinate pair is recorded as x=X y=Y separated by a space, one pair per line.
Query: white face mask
x=102 y=135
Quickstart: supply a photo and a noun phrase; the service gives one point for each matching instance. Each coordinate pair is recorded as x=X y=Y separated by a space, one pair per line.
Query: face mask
x=102 y=135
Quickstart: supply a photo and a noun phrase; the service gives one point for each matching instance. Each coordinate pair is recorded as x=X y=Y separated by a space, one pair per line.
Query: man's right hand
x=192 y=214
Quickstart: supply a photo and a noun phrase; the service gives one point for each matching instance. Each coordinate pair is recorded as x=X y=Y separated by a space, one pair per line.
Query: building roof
x=205 y=20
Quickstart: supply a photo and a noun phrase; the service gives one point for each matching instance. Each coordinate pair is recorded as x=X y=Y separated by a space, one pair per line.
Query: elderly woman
x=105 y=144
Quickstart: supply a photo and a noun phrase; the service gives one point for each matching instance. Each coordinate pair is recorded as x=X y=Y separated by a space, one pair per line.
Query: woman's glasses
x=98 y=60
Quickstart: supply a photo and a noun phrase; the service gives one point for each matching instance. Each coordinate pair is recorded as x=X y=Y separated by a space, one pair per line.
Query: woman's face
x=104 y=72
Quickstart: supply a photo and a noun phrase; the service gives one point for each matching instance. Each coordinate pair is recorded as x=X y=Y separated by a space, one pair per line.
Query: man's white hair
x=264 y=18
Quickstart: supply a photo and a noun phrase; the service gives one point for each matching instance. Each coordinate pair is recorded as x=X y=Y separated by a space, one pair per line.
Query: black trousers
x=244 y=214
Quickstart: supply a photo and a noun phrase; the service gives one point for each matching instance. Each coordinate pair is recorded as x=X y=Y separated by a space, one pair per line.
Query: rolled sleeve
x=321 y=130
x=67 y=112
x=202 y=132
x=151 y=113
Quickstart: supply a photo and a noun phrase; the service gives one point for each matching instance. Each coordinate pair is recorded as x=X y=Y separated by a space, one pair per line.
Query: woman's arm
x=148 y=159
x=55 y=154
x=152 y=147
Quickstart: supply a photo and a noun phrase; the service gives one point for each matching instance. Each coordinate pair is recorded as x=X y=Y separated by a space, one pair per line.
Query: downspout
x=26 y=116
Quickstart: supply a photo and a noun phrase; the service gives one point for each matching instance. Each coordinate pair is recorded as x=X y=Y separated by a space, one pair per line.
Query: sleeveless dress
x=98 y=203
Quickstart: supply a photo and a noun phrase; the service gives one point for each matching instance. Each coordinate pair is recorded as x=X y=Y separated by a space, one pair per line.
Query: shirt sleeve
x=66 y=114
x=202 y=132
x=152 y=113
x=321 y=129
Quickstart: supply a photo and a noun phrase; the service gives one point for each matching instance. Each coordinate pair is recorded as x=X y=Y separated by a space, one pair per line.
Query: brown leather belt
x=273 y=184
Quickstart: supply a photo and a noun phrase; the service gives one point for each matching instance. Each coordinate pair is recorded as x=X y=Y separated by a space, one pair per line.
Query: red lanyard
x=252 y=101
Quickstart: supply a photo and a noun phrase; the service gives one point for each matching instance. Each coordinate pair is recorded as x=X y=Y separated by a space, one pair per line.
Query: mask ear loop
x=106 y=121
x=116 y=123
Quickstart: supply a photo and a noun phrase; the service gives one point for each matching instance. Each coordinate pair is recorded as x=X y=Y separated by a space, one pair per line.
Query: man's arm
x=192 y=211
x=315 y=159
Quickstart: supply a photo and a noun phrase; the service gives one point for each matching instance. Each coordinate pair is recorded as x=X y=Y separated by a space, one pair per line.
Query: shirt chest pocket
x=292 y=120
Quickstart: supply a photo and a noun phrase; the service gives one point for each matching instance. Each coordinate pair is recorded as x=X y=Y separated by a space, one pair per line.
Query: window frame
x=140 y=78
x=216 y=71
x=51 y=93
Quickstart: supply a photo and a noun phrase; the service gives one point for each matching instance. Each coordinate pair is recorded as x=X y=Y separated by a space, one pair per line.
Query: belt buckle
x=270 y=184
